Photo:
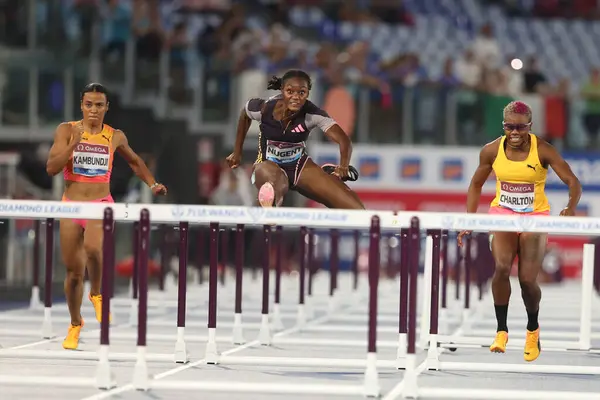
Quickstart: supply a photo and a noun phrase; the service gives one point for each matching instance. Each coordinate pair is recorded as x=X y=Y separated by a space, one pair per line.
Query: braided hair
x=276 y=83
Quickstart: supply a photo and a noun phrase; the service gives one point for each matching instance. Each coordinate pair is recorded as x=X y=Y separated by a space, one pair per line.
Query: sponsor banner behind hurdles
x=422 y=173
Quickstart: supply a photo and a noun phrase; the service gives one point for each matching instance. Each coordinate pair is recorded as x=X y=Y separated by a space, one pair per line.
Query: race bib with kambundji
x=283 y=152
x=518 y=197
x=91 y=159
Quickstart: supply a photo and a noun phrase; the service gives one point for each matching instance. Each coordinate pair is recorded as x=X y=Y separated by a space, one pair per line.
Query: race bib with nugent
x=518 y=197
x=91 y=159
x=283 y=152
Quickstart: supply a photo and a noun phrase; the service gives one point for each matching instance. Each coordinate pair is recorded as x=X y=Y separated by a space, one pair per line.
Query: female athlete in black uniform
x=283 y=163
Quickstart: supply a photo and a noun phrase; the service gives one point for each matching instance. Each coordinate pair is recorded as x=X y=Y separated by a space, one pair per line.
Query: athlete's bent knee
x=74 y=278
x=93 y=253
x=527 y=279
x=503 y=268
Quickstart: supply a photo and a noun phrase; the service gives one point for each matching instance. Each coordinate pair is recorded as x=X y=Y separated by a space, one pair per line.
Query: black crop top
x=274 y=133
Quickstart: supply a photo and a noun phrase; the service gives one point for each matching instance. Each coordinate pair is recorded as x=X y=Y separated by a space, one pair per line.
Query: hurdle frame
x=411 y=389
x=316 y=217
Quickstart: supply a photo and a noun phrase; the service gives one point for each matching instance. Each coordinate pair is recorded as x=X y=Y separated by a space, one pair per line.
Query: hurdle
x=132 y=303
x=566 y=226
x=104 y=378
x=216 y=217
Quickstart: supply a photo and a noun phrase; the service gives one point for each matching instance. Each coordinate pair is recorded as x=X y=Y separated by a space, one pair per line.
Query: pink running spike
x=266 y=195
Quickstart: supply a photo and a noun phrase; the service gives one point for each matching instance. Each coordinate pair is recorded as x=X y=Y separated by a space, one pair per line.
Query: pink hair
x=517 y=107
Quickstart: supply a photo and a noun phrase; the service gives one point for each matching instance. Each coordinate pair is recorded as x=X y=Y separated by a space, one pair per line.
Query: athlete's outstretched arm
x=553 y=158
x=136 y=163
x=61 y=149
x=483 y=171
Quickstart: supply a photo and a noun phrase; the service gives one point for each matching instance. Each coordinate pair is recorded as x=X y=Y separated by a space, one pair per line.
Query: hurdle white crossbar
x=297 y=217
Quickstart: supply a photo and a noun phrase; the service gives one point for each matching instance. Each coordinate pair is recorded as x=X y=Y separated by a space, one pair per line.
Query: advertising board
x=434 y=179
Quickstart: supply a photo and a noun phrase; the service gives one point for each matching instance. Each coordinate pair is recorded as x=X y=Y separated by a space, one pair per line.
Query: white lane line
x=173 y=371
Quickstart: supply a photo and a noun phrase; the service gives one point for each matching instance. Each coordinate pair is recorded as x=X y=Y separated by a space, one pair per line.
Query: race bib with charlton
x=283 y=152
x=91 y=159
x=518 y=197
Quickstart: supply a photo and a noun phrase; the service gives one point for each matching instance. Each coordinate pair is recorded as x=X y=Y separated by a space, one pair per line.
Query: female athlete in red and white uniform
x=84 y=151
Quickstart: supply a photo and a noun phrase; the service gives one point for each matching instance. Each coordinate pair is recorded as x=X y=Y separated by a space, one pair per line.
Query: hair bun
x=275 y=83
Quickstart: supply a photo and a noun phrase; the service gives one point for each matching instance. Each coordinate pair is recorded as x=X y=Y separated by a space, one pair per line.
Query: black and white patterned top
x=284 y=142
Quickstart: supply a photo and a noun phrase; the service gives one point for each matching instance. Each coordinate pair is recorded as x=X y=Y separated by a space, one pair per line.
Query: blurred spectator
x=486 y=48
x=176 y=44
x=534 y=79
x=411 y=71
x=495 y=82
x=348 y=11
x=591 y=93
x=87 y=11
x=390 y=11
x=148 y=29
x=117 y=28
x=12 y=26
x=205 y=5
x=362 y=66
x=234 y=189
x=468 y=70
x=448 y=77
x=215 y=43
x=563 y=88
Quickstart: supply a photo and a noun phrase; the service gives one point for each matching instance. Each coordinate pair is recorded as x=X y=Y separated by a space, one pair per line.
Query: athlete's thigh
x=92 y=237
x=71 y=245
x=327 y=189
x=505 y=246
x=532 y=250
x=268 y=171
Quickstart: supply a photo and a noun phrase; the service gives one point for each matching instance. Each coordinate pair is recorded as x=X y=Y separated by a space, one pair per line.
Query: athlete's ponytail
x=275 y=83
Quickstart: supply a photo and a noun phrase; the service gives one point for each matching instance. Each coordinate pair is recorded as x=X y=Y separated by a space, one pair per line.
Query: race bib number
x=518 y=197
x=283 y=153
x=91 y=159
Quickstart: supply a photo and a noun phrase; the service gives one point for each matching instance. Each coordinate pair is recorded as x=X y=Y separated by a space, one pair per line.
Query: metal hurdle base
x=370 y=387
x=81 y=355
x=495 y=394
x=519 y=368
x=303 y=362
x=267 y=388
x=53 y=381
x=518 y=343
